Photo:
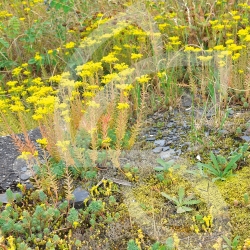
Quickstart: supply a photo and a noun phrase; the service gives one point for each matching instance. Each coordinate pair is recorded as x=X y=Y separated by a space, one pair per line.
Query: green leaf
x=183 y=209
x=192 y=202
x=4 y=43
x=165 y=164
x=158 y=168
x=232 y=162
x=181 y=194
x=214 y=160
x=170 y=198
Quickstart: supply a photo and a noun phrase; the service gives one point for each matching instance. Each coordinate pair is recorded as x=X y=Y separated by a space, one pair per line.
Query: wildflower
x=110 y=58
x=11 y=83
x=121 y=66
x=236 y=17
x=75 y=224
x=38 y=57
x=247 y=38
x=242 y=32
x=93 y=104
x=124 y=86
x=188 y=48
x=205 y=58
x=229 y=41
x=63 y=145
x=117 y=48
x=122 y=105
x=143 y=79
x=70 y=45
x=17 y=107
x=43 y=142
x=219 y=47
x=25 y=155
x=135 y=56
x=226 y=53
x=16 y=71
x=106 y=142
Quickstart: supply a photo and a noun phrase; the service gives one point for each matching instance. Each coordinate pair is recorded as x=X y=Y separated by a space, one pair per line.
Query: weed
x=182 y=203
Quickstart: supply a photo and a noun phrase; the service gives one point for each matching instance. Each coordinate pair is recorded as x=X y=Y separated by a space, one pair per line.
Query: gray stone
x=223 y=132
x=169 y=142
x=157 y=150
x=167 y=154
x=186 y=101
x=3 y=197
x=151 y=139
x=160 y=143
x=25 y=176
x=245 y=138
x=165 y=148
x=79 y=196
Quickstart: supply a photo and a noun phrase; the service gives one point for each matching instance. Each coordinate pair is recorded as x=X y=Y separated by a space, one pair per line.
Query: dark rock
x=151 y=139
x=223 y=132
x=79 y=196
x=186 y=101
x=167 y=154
x=25 y=176
x=160 y=143
x=169 y=142
x=157 y=150
x=245 y=138
x=165 y=148
x=3 y=197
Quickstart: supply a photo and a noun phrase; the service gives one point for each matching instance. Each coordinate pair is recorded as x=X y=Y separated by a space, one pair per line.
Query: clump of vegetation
x=87 y=74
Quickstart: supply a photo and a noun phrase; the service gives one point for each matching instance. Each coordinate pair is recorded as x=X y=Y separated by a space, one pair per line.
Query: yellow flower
x=93 y=104
x=70 y=45
x=229 y=41
x=110 y=58
x=124 y=86
x=11 y=83
x=226 y=53
x=205 y=58
x=75 y=224
x=122 y=105
x=236 y=17
x=16 y=71
x=121 y=66
x=143 y=79
x=63 y=145
x=219 y=47
x=38 y=57
x=43 y=142
x=135 y=56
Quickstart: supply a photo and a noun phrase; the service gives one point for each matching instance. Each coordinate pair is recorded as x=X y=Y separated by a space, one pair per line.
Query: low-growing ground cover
x=143 y=110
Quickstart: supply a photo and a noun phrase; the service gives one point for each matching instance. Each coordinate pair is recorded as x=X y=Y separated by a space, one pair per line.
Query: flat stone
x=245 y=138
x=167 y=154
x=169 y=142
x=164 y=149
x=79 y=196
x=151 y=139
x=186 y=101
x=223 y=132
x=25 y=176
x=3 y=197
x=157 y=150
x=160 y=143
